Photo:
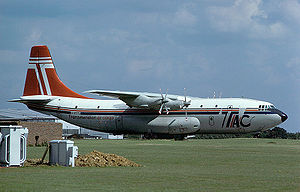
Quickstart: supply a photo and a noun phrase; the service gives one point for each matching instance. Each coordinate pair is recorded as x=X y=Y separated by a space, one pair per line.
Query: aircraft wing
x=114 y=94
x=143 y=99
x=126 y=94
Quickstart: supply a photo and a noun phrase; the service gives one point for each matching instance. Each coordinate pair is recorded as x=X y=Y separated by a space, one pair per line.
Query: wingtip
x=90 y=91
x=14 y=100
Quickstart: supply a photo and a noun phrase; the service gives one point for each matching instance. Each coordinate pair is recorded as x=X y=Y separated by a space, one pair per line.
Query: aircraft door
x=119 y=122
x=211 y=120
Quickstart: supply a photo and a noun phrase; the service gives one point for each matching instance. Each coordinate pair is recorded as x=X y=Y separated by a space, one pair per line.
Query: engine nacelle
x=143 y=101
x=174 y=104
x=174 y=125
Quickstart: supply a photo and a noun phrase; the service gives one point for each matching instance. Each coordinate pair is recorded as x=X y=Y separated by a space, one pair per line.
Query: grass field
x=192 y=165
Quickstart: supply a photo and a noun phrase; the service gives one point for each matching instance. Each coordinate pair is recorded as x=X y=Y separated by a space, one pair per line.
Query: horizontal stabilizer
x=34 y=99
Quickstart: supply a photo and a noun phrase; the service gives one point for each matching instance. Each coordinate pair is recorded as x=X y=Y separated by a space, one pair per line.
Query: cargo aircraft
x=151 y=114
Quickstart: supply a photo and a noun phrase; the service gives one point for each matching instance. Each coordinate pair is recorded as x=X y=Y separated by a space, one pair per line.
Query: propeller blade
x=167 y=110
x=186 y=104
x=166 y=94
x=186 y=113
x=164 y=100
x=161 y=94
x=161 y=108
x=184 y=90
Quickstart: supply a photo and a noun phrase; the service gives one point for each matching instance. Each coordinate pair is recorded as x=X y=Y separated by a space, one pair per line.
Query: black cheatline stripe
x=150 y=113
x=232 y=112
x=258 y=112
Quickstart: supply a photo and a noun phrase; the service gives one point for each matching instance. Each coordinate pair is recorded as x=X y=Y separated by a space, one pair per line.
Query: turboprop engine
x=148 y=100
x=143 y=101
x=162 y=103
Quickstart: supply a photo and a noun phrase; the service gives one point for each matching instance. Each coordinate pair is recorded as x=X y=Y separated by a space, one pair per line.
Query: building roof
x=22 y=114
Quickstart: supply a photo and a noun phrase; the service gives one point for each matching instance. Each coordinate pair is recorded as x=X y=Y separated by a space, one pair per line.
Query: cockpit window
x=265 y=107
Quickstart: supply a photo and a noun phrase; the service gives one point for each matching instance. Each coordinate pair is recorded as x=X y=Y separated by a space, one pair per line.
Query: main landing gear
x=164 y=136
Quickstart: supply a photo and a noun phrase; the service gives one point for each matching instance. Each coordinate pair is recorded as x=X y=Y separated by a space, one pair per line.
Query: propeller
x=186 y=104
x=163 y=101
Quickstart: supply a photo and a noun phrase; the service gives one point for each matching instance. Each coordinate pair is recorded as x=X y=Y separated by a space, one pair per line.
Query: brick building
x=41 y=128
x=41 y=132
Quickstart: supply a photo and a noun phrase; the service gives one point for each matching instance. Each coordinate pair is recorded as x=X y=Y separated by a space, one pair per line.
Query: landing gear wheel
x=150 y=136
x=147 y=136
x=179 y=137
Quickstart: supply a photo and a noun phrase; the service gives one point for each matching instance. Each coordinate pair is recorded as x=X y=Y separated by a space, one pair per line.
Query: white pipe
x=24 y=149
x=6 y=149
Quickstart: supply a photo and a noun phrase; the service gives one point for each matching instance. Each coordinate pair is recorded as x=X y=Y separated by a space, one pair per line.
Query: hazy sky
x=236 y=48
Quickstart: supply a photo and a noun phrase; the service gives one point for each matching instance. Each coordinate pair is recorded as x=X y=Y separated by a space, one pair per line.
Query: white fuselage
x=212 y=115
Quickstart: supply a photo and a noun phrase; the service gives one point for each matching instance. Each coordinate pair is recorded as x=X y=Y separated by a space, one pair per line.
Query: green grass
x=193 y=165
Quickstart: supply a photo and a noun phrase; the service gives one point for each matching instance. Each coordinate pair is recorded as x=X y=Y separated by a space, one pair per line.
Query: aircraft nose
x=283 y=117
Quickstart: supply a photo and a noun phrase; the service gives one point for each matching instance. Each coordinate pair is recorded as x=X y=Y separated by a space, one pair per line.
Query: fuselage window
x=98 y=107
x=76 y=107
x=216 y=106
x=201 y=105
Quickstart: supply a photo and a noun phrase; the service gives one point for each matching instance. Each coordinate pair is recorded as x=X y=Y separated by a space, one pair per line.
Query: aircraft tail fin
x=41 y=78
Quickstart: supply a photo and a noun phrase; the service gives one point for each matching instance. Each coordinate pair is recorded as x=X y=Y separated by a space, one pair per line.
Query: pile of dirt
x=99 y=159
x=93 y=159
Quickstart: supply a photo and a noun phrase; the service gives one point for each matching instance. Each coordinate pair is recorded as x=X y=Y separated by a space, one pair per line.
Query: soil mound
x=99 y=159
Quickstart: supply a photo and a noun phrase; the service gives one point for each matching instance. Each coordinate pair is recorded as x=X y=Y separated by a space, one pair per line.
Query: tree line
x=275 y=133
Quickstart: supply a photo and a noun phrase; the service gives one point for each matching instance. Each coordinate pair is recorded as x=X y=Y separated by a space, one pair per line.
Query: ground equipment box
x=13 y=145
x=62 y=152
